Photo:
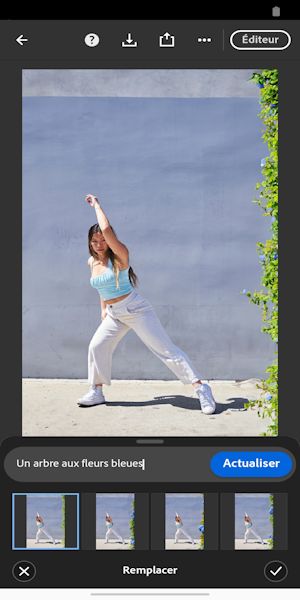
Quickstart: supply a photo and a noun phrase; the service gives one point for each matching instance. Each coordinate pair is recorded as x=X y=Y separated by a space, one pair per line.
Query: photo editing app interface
x=141 y=269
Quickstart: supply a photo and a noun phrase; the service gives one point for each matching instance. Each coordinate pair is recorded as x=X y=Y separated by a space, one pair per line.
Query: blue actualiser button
x=240 y=463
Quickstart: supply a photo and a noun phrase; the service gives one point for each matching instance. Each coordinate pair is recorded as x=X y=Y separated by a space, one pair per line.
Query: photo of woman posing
x=122 y=309
x=249 y=530
x=180 y=531
x=111 y=530
x=42 y=531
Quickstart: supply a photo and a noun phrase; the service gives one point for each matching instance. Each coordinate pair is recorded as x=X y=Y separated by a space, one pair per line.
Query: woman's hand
x=91 y=200
x=103 y=314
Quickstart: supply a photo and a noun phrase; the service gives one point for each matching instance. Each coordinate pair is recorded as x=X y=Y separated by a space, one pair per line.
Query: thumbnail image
x=184 y=524
x=140 y=235
x=39 y=521
x=115 y=522
x=45 y=521
x=253 y=522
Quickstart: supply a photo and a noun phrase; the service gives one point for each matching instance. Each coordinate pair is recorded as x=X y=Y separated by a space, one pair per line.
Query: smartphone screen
x=150 y=425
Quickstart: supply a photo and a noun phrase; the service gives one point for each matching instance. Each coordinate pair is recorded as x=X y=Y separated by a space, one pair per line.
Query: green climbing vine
x=271 y=519
x=132 y=527
x=267 y=297
x=201 y=537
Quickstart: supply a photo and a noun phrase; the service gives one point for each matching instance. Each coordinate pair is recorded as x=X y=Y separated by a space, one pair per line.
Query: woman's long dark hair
x=131 y=274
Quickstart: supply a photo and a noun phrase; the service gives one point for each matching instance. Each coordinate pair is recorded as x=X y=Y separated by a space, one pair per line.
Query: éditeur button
x=259 y=39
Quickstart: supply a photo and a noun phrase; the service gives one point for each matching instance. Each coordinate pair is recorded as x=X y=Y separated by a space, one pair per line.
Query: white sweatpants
x=110 y=532
x=135 y=312
x=43 y=531
x=181 y=531
x=251 y=530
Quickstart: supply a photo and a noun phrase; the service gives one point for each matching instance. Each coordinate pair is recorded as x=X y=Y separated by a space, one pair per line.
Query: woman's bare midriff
x=115 y=300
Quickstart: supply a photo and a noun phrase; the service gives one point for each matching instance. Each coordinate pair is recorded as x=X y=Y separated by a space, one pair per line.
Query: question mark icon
x=91 y=40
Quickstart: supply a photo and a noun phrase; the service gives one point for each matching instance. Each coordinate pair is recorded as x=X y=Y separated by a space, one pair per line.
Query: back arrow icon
x=21 y=39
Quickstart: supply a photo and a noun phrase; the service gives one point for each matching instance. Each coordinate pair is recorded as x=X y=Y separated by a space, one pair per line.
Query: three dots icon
x=200 y=40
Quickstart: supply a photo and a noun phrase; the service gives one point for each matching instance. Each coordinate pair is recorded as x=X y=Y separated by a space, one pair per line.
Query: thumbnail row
x=53 y=521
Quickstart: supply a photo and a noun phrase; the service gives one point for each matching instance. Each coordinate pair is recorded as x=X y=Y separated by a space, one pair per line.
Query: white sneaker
x=207 y=401
x=93 y=397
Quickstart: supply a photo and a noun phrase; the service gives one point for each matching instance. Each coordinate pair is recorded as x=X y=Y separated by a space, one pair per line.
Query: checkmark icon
x=274 y=573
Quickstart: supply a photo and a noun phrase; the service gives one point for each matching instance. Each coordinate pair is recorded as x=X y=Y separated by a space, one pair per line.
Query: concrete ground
x=138 y=408
x=112 y=545
x=181 y=545
x=251 y=545
x=30 y=543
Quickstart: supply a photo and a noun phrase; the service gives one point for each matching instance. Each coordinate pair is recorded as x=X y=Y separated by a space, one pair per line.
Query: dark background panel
x=157 y=520
x=227 y=521
x=211 y=521
x=142 y=521
x=71 y=529
x=280 y=521
x=19 y=521
x=88 y=521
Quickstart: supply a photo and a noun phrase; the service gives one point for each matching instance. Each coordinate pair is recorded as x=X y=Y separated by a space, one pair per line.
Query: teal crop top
x=105 y=283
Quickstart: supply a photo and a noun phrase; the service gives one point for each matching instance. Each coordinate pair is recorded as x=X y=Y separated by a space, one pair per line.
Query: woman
x=41 y=530
x=180 y=530
x=249 y=529
x=122 y=308
x=110 y=530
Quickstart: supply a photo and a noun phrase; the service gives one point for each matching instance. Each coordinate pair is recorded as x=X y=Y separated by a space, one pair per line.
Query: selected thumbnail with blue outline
x=44 y=495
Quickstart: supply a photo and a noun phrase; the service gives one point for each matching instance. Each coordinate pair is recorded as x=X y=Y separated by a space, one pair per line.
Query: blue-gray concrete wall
x=176 y=177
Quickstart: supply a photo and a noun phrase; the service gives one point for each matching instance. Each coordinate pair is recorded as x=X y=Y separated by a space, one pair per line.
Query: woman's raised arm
x=119 y=249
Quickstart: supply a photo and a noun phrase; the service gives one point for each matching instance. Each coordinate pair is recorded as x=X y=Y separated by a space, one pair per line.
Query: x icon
x=23 y=571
